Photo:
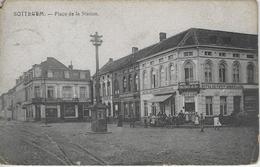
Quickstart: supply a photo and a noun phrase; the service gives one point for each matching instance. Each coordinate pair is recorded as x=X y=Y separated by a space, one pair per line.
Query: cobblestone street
x=72 y=144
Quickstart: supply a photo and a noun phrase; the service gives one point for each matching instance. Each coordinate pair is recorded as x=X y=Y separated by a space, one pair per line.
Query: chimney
x=110 y=60
x=70 y=66
x=162 y=36
x=134 y=49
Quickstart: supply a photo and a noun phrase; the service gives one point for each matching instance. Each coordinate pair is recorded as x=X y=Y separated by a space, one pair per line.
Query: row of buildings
x=49 y=90
x=195 y=71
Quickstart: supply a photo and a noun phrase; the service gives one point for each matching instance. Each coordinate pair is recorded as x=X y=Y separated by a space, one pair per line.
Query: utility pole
x=96 y=41
x=98 y=111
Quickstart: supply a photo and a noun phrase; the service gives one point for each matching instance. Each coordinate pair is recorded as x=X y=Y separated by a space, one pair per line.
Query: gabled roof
x=190 y=37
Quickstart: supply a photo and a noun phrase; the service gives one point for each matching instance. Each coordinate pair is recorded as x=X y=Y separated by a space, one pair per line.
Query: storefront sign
x=220 y=86
x=188 y=87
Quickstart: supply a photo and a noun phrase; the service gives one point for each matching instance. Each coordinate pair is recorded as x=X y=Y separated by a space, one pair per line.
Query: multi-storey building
x=50 y=91
x=203 y=71
x=197 y=70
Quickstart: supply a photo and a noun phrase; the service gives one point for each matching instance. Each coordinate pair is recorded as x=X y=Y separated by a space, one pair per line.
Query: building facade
x=50 y=91
x=201 y=71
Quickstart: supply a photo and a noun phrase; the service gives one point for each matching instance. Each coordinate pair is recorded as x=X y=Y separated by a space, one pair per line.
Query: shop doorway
x=190 y=111
x=37 y=113
x=236 y=103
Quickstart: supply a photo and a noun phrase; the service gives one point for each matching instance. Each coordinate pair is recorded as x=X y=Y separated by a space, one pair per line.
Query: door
x=37 y=113
x=190 y=109
x=236 y=103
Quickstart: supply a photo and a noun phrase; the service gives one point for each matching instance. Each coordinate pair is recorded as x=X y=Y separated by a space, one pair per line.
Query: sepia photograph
x=134 y=82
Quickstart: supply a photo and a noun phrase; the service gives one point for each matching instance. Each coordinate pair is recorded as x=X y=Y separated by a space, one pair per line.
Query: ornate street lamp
x=98 y=110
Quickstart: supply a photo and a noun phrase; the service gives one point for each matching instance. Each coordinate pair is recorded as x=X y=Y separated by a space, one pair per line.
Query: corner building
x=203 y=71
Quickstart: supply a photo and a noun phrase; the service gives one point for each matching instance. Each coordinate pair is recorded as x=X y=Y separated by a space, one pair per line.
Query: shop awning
x=159 y=98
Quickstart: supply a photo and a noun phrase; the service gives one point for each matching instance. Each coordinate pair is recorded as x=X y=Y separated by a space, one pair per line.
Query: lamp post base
x=98 y=118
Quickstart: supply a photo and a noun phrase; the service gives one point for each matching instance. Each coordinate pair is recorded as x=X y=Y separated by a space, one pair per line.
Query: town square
x=159 y=87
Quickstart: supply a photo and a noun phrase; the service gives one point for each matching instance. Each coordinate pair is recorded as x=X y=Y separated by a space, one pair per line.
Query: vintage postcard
x=132 y=82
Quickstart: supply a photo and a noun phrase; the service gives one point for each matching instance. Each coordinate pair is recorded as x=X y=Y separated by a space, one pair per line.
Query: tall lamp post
x=98 y=110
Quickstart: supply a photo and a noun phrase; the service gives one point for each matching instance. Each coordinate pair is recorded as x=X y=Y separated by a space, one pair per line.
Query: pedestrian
x=201 y=123
x=145 y=123
x=217 y=123
x=196 y=120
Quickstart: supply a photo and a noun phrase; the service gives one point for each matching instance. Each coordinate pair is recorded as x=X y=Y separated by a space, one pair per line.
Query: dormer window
x=66 y=74
x=82 y=75
x=50 y=74
x=160 y=60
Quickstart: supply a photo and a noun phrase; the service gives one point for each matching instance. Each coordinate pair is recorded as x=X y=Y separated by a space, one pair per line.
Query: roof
x=190 y=37
x=52 y=63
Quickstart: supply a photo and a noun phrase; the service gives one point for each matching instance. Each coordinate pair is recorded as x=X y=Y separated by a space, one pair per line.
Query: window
x=160 y=60
x=236 y=72
x=162 y=76
x=223 y=105
x=145 y=108
x=188 y=70
x=250 y=56
x=116 y=85
x=153 y=78
x=50 y=74
x=207 y=53
x=37 y=92
x=57 y=74
x=145 y=80
x=108 y=88
x=86 y=112
x=82 y=75
x=222 y=72
x=209 y=109
x=104 y=89
x=170 y=57
x=208 y=72
x=152 y=62
x=82 y=92
x=75 y=75
x=222 y=54
x=188 y=53
x=109 y=109
x=250 y=73
x=50 y=92
x=143 y=65
x=69 y=110
x=171 y=72
x=236 y=55
x=136 y=84
x=130 y=80
x=126 y=110
x=66 y=74
x=67 y=92
x=124 y=84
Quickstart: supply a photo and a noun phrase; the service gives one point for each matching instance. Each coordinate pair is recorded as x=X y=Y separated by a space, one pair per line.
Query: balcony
x=193 y=86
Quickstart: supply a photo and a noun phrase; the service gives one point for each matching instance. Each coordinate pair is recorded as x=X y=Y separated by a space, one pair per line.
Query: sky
x=29 y=40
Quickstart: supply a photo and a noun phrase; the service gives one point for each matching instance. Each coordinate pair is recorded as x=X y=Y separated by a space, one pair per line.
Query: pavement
x=33 y=143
